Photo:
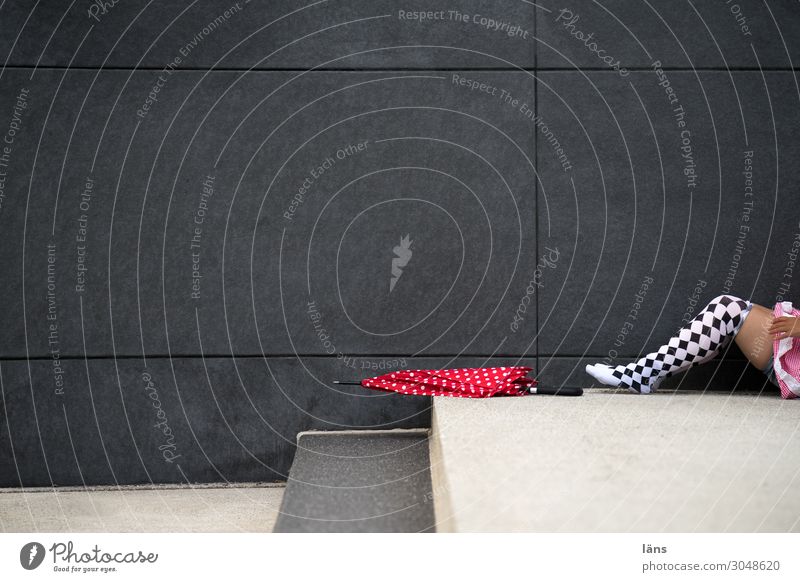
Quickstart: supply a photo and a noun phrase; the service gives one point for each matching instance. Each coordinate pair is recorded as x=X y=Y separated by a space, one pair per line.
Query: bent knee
x=726 y=299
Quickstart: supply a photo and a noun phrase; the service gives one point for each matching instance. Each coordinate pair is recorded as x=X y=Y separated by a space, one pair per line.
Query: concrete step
x=613 y=461
x=359 y=481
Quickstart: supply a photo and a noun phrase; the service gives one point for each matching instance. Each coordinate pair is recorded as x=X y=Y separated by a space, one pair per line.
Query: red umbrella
x=463 y=383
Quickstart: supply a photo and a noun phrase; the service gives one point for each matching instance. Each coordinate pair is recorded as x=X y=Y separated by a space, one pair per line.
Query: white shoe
x=603 y=374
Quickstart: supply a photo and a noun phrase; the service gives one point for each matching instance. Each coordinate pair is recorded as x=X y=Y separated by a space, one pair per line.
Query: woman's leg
x=701 y=340
x=753 y=339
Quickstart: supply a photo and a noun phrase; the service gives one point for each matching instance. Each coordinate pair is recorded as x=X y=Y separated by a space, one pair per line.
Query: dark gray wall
x=267 y=91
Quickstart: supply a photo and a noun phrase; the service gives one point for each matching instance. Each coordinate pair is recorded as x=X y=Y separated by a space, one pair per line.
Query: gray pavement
x=199 y=508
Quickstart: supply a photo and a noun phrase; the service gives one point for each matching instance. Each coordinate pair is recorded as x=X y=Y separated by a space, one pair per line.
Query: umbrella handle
x=561 y=391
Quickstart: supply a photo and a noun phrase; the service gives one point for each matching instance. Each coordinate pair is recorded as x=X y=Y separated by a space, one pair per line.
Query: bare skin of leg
x=753 y=339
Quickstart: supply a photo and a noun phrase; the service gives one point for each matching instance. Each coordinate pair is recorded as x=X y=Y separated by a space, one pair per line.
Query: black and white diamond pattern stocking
x=709 y=332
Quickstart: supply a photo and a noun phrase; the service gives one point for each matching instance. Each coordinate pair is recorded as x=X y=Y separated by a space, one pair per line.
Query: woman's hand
x=783 y=327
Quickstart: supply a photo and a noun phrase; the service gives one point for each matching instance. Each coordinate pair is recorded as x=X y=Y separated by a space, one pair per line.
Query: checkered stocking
x=700 y=341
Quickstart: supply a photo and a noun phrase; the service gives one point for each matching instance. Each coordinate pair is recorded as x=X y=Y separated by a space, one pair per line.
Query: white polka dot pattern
x=458 y=382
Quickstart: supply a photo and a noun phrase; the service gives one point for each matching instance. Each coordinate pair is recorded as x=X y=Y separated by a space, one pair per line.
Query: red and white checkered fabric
x=786 y=355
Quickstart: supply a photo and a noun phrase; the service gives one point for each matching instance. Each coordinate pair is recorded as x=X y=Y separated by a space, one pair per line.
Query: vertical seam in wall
x=535 y=179
x=535 y=41
x=536 y=204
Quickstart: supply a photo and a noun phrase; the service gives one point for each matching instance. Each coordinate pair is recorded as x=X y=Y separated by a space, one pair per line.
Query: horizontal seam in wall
x=323 y=356
x=400 y=69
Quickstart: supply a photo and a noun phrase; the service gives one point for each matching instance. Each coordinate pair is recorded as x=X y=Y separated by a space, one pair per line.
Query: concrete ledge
x=618 y=462
x=414 y=432
x=142 y=487
x=440 y=488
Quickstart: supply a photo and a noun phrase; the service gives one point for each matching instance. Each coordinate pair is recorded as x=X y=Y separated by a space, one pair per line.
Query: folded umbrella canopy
x=463 y=383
